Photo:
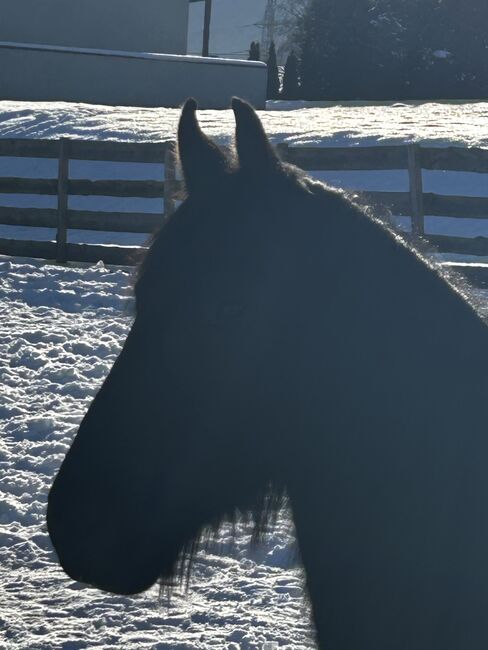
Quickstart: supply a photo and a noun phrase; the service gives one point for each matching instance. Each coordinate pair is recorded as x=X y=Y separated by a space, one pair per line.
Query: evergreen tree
x=273 y=89
x=258 y=52
x=254 y=52
x=291 y=82
x=393 y=49
x=459 y=47
x=340 y=53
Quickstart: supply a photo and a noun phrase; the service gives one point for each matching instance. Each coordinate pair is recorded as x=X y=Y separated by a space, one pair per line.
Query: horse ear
x=254 y=150
x=201 y=160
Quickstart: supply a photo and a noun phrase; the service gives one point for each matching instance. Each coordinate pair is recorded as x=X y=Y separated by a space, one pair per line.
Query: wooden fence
x=414 y=203
x=62 y=218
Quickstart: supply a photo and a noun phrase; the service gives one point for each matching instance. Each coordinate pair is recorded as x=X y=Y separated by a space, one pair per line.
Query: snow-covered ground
x=308 y=123
x=297 y=123
x=60 y=330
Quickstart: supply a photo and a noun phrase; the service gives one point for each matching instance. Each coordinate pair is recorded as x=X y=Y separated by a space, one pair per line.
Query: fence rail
x=63 y=219
x=414 y=203
x=134 y=222
x=117 y=255
x=143 y=152
x=386 y=157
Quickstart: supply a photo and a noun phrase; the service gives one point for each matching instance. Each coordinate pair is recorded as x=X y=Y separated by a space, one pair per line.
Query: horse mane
x=259 y=518
x=417 y=245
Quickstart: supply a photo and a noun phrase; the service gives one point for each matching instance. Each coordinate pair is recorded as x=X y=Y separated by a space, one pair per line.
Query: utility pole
x=269 y=22
x=206 y=27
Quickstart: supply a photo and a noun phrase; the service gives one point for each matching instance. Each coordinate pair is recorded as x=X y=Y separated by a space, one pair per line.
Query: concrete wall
x=134 y=25
x=92 y=76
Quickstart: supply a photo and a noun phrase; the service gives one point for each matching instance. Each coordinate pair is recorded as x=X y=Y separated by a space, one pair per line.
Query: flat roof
x=206 y=60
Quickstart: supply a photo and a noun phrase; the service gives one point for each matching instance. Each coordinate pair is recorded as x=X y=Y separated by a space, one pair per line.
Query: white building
x=122 y=52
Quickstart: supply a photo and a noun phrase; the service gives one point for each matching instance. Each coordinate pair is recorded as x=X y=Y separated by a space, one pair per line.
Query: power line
x=268 y=26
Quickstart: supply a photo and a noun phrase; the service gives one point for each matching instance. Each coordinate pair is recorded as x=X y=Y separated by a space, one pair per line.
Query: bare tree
x=289 y=14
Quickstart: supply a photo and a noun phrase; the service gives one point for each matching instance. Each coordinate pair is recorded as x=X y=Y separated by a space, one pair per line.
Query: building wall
x=54 y=74
x=129 y=25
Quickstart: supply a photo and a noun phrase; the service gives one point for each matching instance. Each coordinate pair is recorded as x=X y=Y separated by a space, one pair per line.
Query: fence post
x=416 y=189
x=169 y=180
x=63 y=175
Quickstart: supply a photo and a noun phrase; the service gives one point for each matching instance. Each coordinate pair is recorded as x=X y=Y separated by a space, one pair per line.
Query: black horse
x=285 y=340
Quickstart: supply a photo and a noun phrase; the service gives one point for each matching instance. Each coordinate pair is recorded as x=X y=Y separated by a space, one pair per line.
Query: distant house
x=116 y=52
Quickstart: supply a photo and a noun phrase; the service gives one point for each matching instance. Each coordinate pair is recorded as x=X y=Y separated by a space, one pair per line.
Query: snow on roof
x=128 y=54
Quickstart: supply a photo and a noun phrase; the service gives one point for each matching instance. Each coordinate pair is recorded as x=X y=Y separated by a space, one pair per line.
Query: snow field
x=297 y=123
x=61 y=328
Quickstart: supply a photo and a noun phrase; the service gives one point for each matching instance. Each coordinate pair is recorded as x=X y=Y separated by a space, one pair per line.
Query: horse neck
x=388 y=481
